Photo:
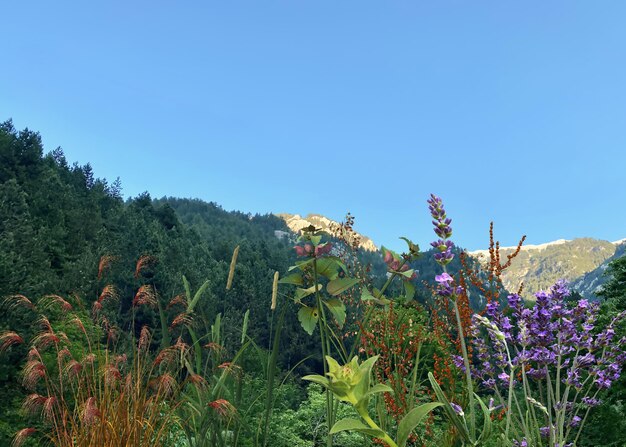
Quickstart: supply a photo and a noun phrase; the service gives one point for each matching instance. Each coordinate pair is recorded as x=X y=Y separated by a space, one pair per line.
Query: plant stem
x=468 y=373
x=366 y=417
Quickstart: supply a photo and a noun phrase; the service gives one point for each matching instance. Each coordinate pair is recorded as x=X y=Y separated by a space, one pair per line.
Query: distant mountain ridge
x=580 y=261
x=296 y=222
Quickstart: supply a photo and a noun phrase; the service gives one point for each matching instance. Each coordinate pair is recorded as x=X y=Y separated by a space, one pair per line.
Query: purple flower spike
x=442 y=229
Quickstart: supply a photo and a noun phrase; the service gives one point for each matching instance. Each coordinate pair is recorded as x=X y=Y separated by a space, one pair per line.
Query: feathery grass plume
x=48 y=408
x=21 y=436
x=14 y=302
x=108 y=294
x=31 y=373
x=9 y=338
x=73 y=369
x=145 y=295
x=76 y=321
x=178 y=299
x=274 y=291
x=105 y=263
x=223 y=408
x=142 y=263
x=167 y=384
x=182 y=318
x=144 y=338
x=49 y=300
x=231 y=271
x=33 y=403
x=111 y=374
x=90 y=411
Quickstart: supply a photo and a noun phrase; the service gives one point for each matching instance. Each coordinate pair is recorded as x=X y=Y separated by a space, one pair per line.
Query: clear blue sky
x=511 y=111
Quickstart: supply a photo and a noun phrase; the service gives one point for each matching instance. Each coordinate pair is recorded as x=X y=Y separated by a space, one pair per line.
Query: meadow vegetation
x=172 y=322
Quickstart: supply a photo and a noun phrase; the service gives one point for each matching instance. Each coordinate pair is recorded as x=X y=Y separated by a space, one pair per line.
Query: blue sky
x=511 y=111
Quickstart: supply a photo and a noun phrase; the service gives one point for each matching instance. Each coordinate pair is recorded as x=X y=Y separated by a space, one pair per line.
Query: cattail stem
x=231 y=271
x=274 y=291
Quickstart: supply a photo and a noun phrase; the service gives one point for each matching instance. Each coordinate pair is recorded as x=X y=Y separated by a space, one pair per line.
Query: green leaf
x=412 y=420
x=197 y=296
x=486 y=431
x=294 y=278
x=339 y=285
x=414 y=249
x=406 y=274
x=301 y=264
x=316 y=239
x=303 y=293
x=317 y=379
x=338 y=309
x=327 y=267
x=379 y=388
x=187 y=288
x=308 y=317
x=409 y=290
x=355 y=425
x=367 y=296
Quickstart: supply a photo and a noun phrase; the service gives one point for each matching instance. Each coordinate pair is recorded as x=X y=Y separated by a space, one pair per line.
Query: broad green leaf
x=338 y=309
x=294 y=278
x=315 y=240
x=412 y=420
x=328 y=268
x=355 y=425
x=406 y=274
x=308 y=317
x=339 y=285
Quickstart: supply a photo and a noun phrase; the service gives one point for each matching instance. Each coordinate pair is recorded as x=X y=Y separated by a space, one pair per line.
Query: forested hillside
x=59 y=221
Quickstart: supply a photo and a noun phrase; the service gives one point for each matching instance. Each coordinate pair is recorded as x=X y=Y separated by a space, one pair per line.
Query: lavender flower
x=442 y=229
x=554 y=338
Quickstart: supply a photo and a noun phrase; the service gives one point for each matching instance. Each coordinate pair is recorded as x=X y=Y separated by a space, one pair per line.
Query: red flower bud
x=299 y=250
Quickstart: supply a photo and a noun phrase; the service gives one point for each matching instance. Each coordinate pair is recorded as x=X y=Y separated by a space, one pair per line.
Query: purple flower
x=504 y=377
x=444 y=279
x=590 y=401
x=442 y=229
x=457 y=408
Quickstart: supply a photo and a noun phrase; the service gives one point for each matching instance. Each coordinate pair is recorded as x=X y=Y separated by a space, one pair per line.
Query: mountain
x=590 y=283
x=539 y=266
x=295 y=222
